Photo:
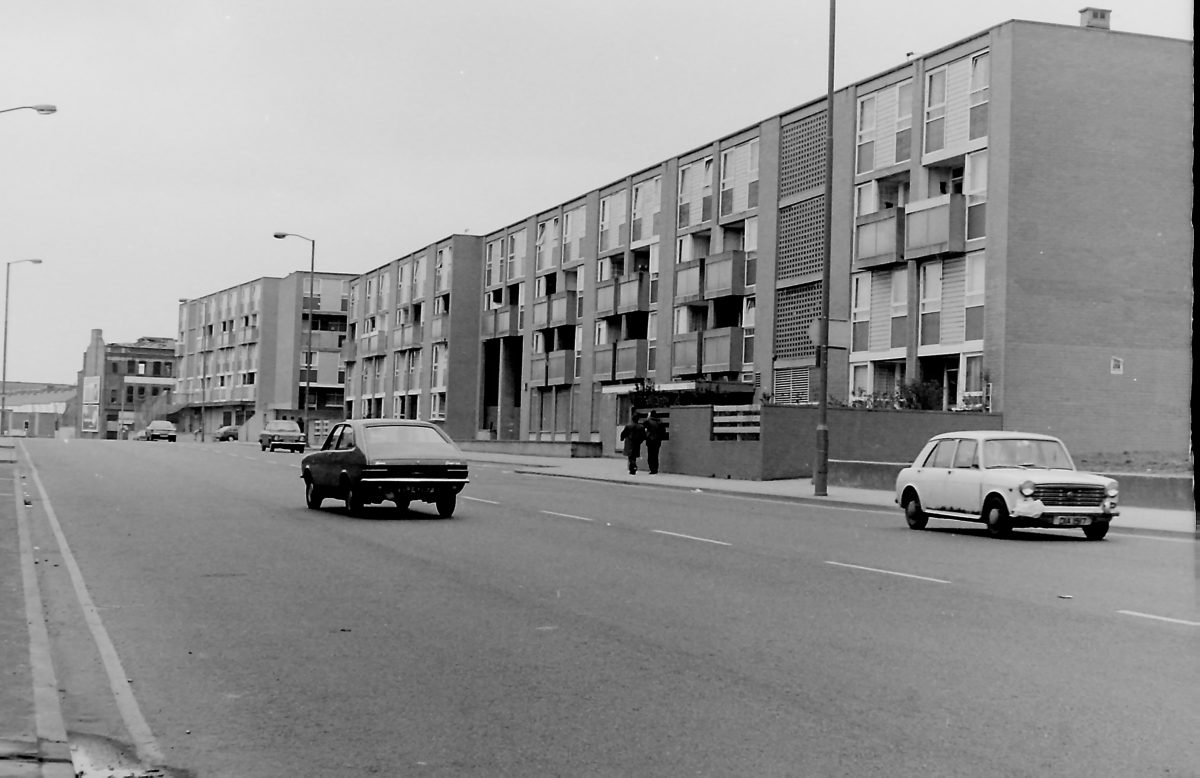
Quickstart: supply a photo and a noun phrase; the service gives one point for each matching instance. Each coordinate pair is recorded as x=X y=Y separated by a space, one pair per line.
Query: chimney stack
x=1095 y=18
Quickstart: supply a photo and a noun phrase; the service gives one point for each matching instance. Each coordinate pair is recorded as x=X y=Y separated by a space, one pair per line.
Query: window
x=866 y=198
x=859 y=381
x=749 y=305
x=860 y=311
x=931 y=302
x=904 y=121
x=980 y=81
x=967 y=454
x=974 y=297
x=866 y=134
x=600 y=336
x=942 y=454
x=899 y=301
x=935 y=111
x=975 y=186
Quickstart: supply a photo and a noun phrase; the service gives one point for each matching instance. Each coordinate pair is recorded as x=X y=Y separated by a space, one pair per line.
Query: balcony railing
x=724 y=275
x=606 y=298
x=553 y=369
x=439 y=328
x=689 y=282
x=247 y=335
x=722 y=350
x=935 y=227
x=685 y=350
x=541 y=314
x=633 y=292
x=563 y=309
x=878 y=238
x=632 y=359
x=349 y=350
x=502 y=322
x=326 y=340
x=409 y=335
x=603 y=362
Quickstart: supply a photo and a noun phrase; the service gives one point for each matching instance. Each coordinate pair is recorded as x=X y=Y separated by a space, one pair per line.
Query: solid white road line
x=143 y=738
x=566 y=516
x=691 y=537
x=1161 y=618
x=47 y=713
x=887 y=572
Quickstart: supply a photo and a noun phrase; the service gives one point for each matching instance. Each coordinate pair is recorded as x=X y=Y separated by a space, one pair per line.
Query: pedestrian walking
x=655 y=430
x=633 y=434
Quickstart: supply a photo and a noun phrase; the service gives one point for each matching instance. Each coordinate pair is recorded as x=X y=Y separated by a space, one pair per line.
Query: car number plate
x=1072 y=521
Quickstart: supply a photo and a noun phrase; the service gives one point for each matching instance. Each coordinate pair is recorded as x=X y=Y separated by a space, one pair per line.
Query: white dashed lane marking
x=567 y=516
x=887 y=572
x=690 y=537
x=1167 y=619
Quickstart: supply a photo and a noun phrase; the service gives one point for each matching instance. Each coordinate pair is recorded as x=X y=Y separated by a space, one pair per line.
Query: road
x=557 y=627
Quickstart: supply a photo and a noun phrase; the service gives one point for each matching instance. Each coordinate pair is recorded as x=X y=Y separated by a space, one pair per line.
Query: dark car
x=160 y=430
x=368 y=461
x=281 y=433
x=228 y=432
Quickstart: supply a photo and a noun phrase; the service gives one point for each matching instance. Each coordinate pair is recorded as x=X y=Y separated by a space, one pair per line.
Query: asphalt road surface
x=558 y=627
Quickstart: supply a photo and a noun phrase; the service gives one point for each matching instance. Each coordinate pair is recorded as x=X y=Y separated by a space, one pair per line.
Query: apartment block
x=265 y=349
x=122 y=384
x=1010 y=226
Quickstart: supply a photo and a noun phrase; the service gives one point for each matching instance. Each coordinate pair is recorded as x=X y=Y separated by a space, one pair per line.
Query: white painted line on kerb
x=566 y=516
x=888 y=572
x=691 y=537
x=1161 y=618
x=480 y=499
x=143 y=738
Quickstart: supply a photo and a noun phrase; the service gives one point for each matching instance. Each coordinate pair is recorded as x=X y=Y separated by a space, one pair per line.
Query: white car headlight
x=1111 y=489
x=1026 y=488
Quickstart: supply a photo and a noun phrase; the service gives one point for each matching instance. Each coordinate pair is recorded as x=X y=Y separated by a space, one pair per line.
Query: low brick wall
x=534 y=448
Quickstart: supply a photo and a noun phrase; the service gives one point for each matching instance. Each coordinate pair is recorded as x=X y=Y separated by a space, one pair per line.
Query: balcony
x=374 y=345
x=685 y=350
x=604 y=362
x=935 y=228
x=553 y=369
x=689 y=282
x=878 y=238
x=541 y=314
x=606 y=298
x=563 y=309
x=349 y=350
x=409 y=335
x=439 y=328
x=247 y=335
x=722 y=350
x=633 y=359
x=633 y=292
x=326 y=340
x=502 y=322
x=724 y=275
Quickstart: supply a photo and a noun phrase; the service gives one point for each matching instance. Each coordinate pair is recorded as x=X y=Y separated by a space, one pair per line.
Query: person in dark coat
x=633 y=434
x=655 y=432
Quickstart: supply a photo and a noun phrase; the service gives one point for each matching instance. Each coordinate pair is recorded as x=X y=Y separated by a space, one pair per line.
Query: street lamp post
x=312 y=264
x=821 y=470
x=4 y=369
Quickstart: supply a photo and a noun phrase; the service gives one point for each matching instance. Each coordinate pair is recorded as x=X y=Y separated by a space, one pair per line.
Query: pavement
x=28 y=747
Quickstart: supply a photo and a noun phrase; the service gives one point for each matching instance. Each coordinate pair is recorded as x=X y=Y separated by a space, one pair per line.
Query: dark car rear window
x=384 y=435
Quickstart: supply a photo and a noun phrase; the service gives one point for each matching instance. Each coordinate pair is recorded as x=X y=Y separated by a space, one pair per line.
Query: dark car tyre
x=402 y=505
x=1096 y=530
x=913 y=513
x=995 y=514
x=264 y=446
x=313 y=494
x=354 y=503
x=446 y=504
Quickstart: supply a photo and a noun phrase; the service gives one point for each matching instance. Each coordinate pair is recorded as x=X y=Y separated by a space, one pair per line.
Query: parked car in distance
x=368 y=461
x=160 y=429
x=1005 y=480
x=282 y=433
x=228 y=432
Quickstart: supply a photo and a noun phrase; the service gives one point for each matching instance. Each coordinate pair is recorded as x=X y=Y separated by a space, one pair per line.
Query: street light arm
x=44 y=110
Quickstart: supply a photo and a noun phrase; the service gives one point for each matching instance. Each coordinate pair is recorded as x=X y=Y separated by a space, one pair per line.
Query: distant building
x=120 y=383
x=244 y=357
x=38 y=410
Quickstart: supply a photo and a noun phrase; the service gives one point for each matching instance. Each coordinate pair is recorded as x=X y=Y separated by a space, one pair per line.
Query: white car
x=1005 y=480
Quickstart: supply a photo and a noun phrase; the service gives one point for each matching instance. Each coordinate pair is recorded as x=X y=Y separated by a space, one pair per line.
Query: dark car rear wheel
x=995 y=514
x=402 y=505
x=446 y=504
x=914 y=514
x=313 y=494
x=354 y=500
x=1096 y=530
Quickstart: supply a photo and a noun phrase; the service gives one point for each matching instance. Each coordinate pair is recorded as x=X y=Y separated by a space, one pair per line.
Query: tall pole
x=4 y=368
x=312 y=265
x=821 y=470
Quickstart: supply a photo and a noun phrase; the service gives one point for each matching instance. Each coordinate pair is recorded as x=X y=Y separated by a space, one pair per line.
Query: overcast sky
x=188 y=132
